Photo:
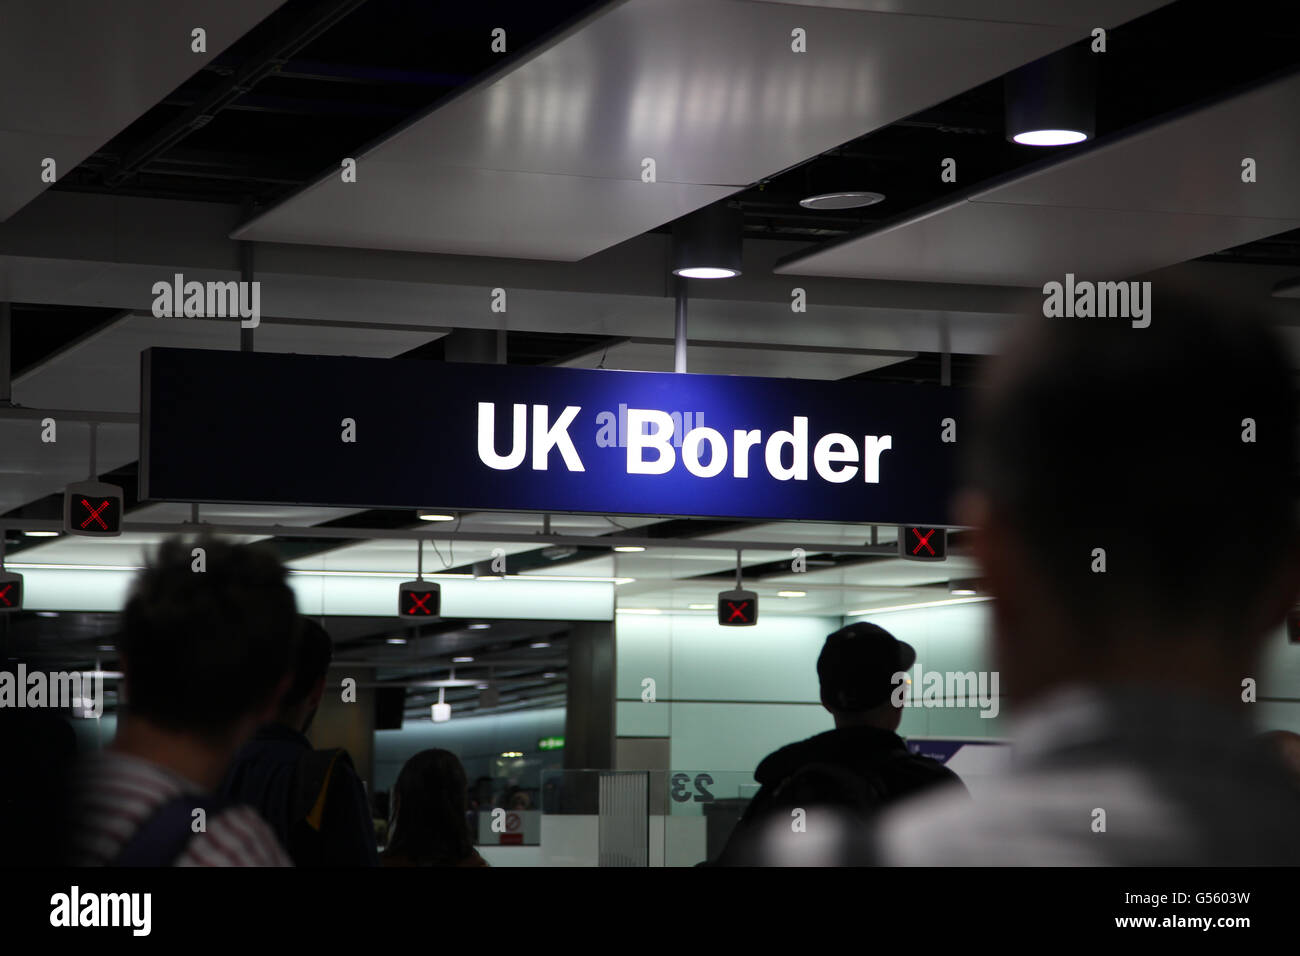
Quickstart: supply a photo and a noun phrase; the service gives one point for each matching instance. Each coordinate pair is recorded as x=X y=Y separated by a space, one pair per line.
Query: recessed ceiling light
x=106 y=647
x=847 y=199
x=791 y=594
x=629 y=548
x=1050 y=137
x=47 y=613
x=639 y=610
x=706 y=272
x=397 y=640
x=481 y=686
x=964 y=592
x=540 y=644
x=435 y=516
x=479 y=627
x=550 y=674
x=699 y=607
x=41 y=534
x=461 y=660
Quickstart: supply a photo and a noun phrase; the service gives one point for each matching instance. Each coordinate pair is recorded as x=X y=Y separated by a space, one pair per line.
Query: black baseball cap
x=857 y=666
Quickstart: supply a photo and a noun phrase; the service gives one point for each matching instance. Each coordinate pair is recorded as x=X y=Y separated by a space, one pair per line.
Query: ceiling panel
x=400 y=556
x=418 y=207
x=718 y=360
x=239 y=514
x=1164 y=195
x=73 y=74
x=128 y=549
x=545 y=160
x=1095 y=13
x=1026 y=245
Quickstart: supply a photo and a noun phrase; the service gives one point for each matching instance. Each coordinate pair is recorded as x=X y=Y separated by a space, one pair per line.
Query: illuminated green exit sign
x=551 y=743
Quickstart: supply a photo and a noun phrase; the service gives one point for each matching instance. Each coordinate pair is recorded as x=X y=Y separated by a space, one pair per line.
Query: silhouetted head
x=1133 y=495
x=310 y=665
x=206 y=638
x=856 y=670
x=430 y=802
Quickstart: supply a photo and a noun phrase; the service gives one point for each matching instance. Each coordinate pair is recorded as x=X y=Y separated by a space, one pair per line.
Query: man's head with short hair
x=1097 y=442
x=856 y=671
x=308 y=670
x=204 y=651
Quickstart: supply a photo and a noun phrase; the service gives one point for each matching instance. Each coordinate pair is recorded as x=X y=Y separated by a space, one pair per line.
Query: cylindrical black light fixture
x=1053 y=101
x=706 y=243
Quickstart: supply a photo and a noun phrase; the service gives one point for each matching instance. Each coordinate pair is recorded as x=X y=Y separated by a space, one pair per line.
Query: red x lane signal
x=94 y=512
x=922 y=544
x=418 y=599
x=737 y=608
x=11 y=591
x=92 y=508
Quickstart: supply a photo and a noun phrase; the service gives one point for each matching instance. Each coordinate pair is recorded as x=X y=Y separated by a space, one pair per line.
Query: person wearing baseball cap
x=855 y=769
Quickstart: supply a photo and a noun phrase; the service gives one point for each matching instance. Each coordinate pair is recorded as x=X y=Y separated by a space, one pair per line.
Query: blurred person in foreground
x=841 y=778
x=204 y=655
x=313 y=799
x=1132 y=492
x=430 y=814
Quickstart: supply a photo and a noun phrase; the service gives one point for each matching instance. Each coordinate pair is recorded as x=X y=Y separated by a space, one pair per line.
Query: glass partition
x=639 y=817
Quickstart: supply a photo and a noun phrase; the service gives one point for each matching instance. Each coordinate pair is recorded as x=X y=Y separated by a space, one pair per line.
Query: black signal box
x=737 y=608
x=418 y=599
x=11 y=591
x=922 y=544
x=92 y=508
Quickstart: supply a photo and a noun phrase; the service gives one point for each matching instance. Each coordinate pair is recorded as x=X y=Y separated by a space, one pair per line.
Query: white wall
x=726 y=697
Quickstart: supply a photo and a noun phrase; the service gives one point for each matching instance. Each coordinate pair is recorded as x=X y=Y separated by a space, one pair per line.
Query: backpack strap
x=162 y=838
x=316 y=769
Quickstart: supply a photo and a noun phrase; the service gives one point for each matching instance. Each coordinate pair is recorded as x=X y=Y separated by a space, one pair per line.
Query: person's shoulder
x=235 y=836
x=783 y=761
x=928 y=768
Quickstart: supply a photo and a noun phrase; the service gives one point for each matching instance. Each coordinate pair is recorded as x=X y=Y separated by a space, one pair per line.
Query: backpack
x=312 y=778
x=163 y=837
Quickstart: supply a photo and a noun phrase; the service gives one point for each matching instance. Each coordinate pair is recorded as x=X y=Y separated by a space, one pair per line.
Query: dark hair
x=857 y=664
x=1094 y=434
x=430 y=804
x=203 y=648
x=311 y=662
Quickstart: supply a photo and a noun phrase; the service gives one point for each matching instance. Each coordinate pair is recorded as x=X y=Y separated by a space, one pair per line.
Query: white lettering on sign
x=651 y=435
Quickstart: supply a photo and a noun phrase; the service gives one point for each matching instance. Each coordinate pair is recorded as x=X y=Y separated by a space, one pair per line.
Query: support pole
x=679 y=338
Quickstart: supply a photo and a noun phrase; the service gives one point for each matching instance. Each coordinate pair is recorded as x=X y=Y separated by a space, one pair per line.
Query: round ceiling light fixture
x=706 y=244
x=1052 y=101
x=845 y=199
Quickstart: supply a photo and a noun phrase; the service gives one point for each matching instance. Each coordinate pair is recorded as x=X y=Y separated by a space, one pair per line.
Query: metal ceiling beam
x=416 y=534
x=69 y=415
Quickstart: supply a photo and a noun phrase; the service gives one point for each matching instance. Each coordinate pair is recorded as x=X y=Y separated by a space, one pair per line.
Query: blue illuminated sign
x=353 y=432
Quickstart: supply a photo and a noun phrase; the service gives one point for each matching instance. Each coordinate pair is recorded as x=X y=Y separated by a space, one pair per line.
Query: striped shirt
x=117 y=793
